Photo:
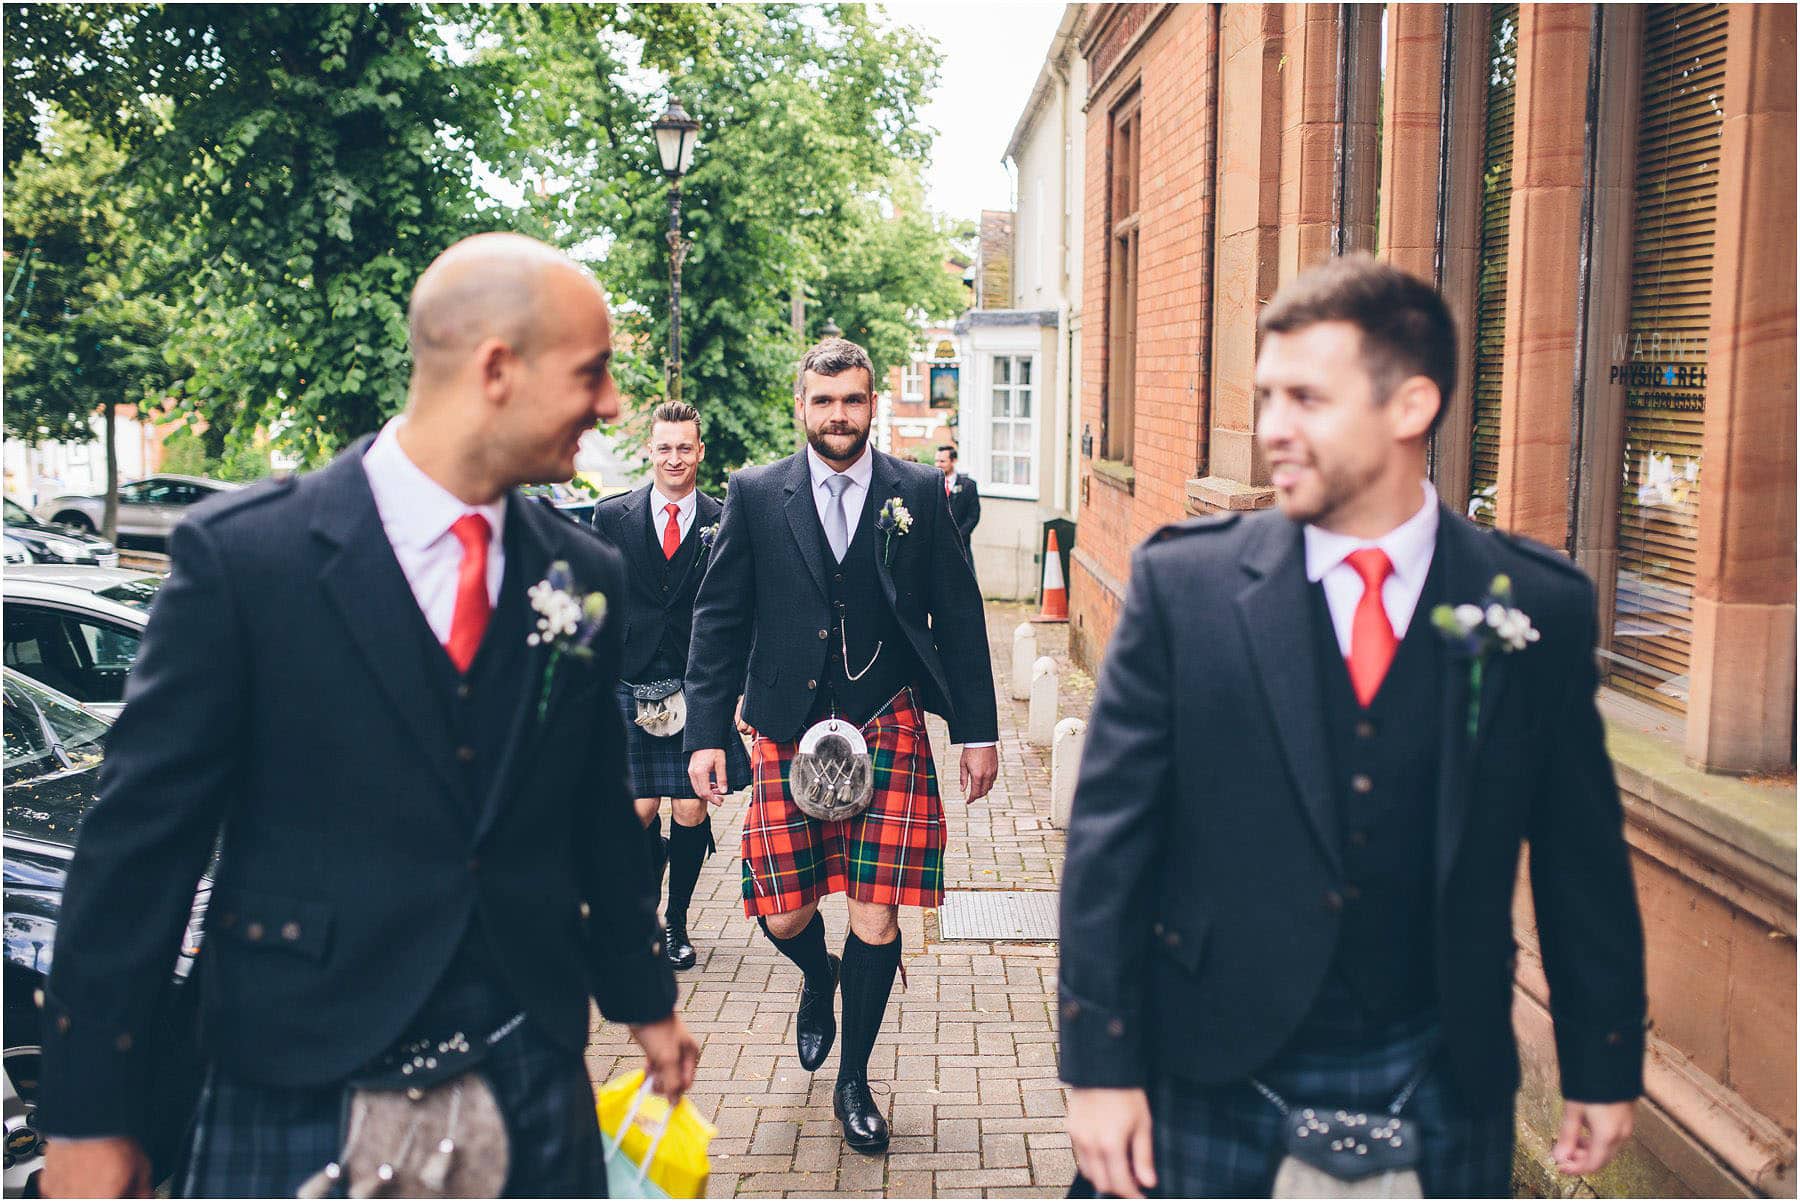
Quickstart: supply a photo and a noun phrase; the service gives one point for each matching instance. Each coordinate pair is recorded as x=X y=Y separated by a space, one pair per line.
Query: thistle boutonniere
x=1491 y=627
x=956 y=488
x=567 y=622
x=707 y=534
x=894 y=519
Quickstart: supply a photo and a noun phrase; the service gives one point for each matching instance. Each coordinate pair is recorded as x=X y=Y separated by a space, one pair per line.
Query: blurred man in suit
x=426 y=834
x=1297 y=826
x=965 y=498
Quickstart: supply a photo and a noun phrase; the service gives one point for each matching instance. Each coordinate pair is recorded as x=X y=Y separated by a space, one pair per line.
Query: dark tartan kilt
x=264 y=1141
x=657 y=765
x=1227 y=1141
x=890 y=854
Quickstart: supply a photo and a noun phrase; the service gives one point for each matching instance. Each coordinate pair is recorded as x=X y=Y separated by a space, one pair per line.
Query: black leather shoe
x=676 y=948
x=816 y=1025
x=864 y=1128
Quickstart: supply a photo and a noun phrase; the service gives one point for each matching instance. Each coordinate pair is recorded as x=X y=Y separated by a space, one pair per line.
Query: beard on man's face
x=838 y=441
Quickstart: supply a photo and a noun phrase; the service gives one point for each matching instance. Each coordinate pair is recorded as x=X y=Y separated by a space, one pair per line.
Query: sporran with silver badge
x=661 y=706
x=833 y=776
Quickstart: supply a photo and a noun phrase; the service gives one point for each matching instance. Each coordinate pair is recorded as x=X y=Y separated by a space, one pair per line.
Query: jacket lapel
x=1273 y=611
x=633 y=537
x=538 y=545
x=803 y=519
x=1469 y=569
x=883 y=483
x=363 y=584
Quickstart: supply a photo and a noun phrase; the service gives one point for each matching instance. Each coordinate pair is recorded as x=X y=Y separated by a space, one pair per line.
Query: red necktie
x=946 y=486
x=1372 y=641
x=672 y=532
x=471 y=617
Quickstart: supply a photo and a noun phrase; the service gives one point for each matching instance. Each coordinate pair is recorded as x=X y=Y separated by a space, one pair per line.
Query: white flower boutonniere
x=568 y=621
x=1478 y=630
x=707 y=534
x=893 y=520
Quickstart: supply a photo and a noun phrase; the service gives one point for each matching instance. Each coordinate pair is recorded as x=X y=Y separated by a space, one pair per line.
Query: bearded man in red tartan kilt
x=841 y=604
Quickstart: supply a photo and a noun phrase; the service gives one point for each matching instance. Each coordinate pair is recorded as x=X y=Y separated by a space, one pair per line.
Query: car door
x=85 y=656
x=139 y=505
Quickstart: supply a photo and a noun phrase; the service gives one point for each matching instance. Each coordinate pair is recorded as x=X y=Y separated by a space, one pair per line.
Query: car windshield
x=15 y=514
x=46 y=732
x=138 y=594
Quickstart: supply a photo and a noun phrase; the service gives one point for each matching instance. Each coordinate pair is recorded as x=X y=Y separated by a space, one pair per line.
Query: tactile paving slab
x=987 y=915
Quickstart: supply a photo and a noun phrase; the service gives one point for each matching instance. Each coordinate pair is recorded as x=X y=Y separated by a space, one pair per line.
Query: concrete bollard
x=1040 y=724
x=1065 y=766
x=1024 y=653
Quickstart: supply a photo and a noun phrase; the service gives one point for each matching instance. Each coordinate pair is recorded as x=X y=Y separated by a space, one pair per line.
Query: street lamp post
x=676 y=137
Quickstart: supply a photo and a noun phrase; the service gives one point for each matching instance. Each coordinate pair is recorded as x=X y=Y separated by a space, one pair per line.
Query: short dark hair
x=833 y=357
x=676 y=411
x=951 y=449
x=1406 y=328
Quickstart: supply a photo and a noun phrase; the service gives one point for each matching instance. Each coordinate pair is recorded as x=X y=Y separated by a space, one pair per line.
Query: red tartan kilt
x=890 y=854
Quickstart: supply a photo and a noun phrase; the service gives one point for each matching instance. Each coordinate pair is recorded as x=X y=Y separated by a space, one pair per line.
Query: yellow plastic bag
x=652 y=1152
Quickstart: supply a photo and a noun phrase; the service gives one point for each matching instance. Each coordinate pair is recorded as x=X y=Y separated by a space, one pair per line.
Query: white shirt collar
x=659 y=504
x=1408 y=545
x=416 y=511
x=860 y=472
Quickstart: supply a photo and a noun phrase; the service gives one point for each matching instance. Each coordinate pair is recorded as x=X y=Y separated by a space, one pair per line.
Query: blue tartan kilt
x=658 y=766
x=264 y=1141
x=1227 y=1141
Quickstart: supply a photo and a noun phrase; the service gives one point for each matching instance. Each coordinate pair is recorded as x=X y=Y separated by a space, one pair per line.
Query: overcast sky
x=992 y=55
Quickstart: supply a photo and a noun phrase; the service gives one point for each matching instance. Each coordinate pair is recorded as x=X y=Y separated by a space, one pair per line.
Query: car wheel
x=75 y=519
x=24 y=1145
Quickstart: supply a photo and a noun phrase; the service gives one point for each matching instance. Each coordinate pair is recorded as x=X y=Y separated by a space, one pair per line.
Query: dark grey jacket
x=764 y=603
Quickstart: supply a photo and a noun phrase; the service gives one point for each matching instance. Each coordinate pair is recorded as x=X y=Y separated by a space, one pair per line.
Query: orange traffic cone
x=1055 y=605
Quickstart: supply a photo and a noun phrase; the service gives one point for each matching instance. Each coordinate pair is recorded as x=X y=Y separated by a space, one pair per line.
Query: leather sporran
x=448 y=1141
x=832 y=776
x=1339 y=1153
x=661 y=707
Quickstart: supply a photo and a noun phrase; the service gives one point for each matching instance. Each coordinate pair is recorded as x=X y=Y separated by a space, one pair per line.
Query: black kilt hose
x=657 y=766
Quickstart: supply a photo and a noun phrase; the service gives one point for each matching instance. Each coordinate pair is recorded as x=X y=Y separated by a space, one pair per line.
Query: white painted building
x=1017 y=434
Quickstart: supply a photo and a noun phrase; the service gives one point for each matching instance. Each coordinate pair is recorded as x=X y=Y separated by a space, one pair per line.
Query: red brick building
x=1608 y=201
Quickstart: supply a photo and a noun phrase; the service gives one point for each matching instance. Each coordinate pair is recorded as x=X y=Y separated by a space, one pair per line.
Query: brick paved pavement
x=965 y=1068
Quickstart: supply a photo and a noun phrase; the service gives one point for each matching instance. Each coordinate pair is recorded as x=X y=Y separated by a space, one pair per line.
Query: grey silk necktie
x=837 y=526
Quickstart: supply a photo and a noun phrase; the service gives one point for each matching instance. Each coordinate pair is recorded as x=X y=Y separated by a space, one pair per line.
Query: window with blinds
x=1490 y=286
x=1661 y=359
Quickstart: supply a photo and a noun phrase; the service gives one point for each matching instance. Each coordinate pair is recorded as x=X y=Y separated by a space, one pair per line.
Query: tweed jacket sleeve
x=724 y=613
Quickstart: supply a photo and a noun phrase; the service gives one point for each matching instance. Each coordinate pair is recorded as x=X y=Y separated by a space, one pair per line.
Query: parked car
x=566 y=499
x=149 y=509
x=53 y=750
x=76 y=629
x=50 y=543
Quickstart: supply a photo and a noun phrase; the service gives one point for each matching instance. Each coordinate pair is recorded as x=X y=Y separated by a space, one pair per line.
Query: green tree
x=310 y=161
x=84 y=322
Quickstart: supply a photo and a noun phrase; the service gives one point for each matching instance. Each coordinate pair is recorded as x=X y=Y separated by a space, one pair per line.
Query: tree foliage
x=300 y=165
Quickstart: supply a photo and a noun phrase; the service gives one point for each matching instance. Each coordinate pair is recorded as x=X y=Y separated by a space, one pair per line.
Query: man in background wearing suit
x=665 y=532
x=1297 y=826
x=839 y=581
x=426 y=835
x=965 y=498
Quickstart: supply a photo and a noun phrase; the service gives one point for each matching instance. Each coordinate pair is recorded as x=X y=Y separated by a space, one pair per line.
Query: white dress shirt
x=1409 y=547
x=859 y=474
x=417 y=513
x=685 y=509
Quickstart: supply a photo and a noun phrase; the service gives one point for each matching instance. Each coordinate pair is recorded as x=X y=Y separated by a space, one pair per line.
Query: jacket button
x=1115 y=1028
x=1333 y=900
x=1365 y=729
x=254 y=931
x=1359 y=838
x=465 y=754
x=585 y=909
x=62 y=1024
x=1070 y=1010
x=37 y=998
x=123 y=1042
x=1614 y=1038
x=464 y=692
x=1156 y=929
x=474 y=863
x=1352 y=893
x=824 y=634
x=290 y=931
x=1173 y=939
x=812 y=684
x=1361 y=783
x=228 y=919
